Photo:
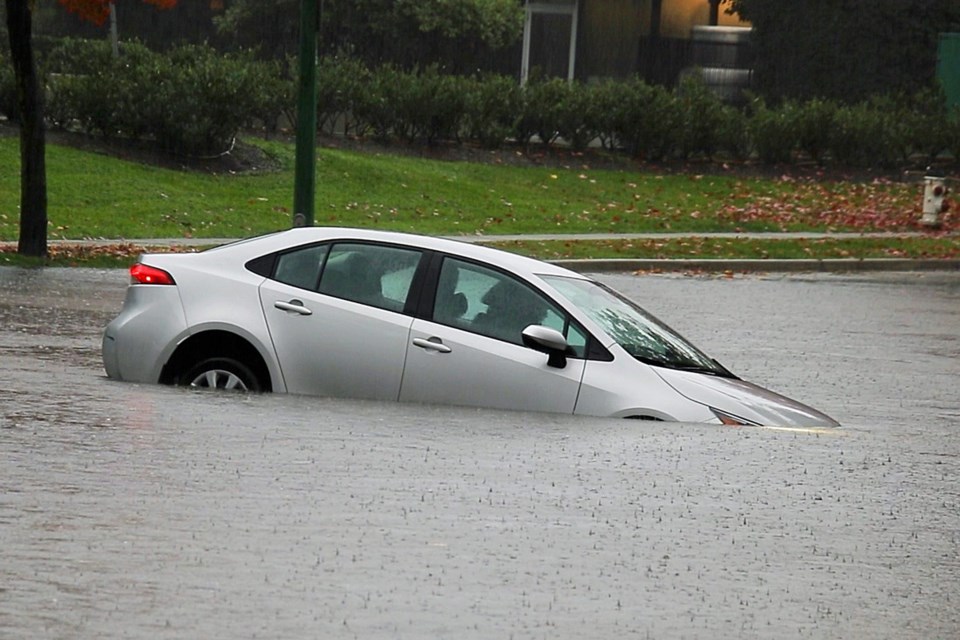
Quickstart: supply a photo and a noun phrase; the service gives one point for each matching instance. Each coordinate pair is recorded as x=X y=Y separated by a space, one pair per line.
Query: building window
x=549 y=39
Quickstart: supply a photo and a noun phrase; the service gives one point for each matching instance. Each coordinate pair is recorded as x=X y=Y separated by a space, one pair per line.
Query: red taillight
x=144 y=274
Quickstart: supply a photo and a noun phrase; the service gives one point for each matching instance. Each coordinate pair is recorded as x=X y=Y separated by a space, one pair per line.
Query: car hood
x=745 y=400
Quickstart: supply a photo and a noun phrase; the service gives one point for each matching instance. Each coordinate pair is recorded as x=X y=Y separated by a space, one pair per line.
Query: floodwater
x=139 y=511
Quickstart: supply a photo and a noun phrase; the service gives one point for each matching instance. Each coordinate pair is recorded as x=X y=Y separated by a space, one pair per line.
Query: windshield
x=639 y=333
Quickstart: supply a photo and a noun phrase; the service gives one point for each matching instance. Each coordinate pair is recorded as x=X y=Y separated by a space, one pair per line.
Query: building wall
x=611 y=34
x=678 y=16
x=610 y=31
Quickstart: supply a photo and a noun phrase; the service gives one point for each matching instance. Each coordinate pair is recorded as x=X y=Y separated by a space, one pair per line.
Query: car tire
x=225 y=374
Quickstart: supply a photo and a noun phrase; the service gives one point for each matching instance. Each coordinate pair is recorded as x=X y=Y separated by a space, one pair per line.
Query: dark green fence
x=948 y=67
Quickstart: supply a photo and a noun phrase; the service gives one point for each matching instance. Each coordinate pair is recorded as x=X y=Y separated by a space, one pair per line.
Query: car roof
x=262 y=245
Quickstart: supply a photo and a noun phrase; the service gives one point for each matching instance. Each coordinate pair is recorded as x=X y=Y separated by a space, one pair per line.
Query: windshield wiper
x=719 y=371
x=696 y=368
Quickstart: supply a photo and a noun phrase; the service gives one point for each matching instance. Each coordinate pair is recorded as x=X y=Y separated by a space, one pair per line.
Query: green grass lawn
x=96 y=195
x=741 y=248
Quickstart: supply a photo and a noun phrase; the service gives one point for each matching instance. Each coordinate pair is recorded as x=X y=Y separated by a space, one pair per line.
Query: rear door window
x=376 y=275
x=301 y=268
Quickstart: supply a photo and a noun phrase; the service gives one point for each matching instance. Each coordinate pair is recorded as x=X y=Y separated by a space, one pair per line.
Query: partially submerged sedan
x=391 y=316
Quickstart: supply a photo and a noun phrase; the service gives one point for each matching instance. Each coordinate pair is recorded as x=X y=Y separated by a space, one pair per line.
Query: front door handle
x=432 y=344
x=294 y=305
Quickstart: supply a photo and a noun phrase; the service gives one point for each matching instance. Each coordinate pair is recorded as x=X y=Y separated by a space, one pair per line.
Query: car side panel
x=482 y=371
x=342 y=348
x=225 y=297
x=137 y=343
x=626 y=388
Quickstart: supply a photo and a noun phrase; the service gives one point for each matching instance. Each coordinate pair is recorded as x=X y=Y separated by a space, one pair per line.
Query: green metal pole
x=305 y=174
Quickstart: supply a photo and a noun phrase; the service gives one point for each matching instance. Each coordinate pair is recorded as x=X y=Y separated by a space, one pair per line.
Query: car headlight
x=732 y=420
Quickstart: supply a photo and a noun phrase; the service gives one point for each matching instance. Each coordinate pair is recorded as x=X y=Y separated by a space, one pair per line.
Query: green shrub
x=542 y=110
x=646 y=120
x=274 y=95
x=81 y=101
x=191 y=100
x=376 y=108
x=412 y=114
x=923 y=118
x=79 y=83
x=493 y=103
x=700 y=118
x=90 y=89
x=78 y=56
x=63 y=98
x=865 y=136
x=433 y=106
x=202 y=99
x=131 y=79
x=607 y=97
x=814 y=122
x=733 y=132
x=341 y=84
x=578 y=119
x=773 y=132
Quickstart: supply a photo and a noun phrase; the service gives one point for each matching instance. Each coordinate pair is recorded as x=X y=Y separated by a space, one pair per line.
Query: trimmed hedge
x=649 y=122
x=193 y=101
x=190 y=101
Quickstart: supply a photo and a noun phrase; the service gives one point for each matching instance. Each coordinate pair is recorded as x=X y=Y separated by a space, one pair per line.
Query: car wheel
x=221 y=373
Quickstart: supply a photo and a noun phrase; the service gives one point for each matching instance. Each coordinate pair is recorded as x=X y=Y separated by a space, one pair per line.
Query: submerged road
x=130 y=511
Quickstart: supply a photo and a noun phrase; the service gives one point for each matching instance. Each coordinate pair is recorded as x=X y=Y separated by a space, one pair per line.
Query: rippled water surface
x=134 y=511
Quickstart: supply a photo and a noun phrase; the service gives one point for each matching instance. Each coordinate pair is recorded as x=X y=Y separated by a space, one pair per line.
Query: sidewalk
x=645 y=264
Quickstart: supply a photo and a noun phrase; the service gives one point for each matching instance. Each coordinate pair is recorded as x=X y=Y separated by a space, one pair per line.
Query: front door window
x=496 y=305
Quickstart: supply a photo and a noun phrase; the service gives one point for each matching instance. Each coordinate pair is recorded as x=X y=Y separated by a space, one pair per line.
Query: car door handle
x=433 y=344
x=294 y=305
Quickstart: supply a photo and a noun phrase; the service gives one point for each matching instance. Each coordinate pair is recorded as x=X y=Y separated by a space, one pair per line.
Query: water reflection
x=143 y=511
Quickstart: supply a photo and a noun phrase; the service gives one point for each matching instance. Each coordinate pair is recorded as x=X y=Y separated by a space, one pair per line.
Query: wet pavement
x=138 y=511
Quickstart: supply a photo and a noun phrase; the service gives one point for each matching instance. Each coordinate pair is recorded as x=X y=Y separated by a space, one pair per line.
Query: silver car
x=390 y=316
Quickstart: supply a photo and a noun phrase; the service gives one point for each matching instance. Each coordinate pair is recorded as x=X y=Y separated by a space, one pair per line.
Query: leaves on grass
x=881 y=205
x=94 y=254
x=933 y=247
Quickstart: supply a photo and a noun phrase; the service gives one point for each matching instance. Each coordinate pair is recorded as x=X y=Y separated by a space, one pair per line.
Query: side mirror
x=548 y=341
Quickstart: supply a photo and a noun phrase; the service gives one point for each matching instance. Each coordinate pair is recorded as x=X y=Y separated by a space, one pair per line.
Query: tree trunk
x=33 y=171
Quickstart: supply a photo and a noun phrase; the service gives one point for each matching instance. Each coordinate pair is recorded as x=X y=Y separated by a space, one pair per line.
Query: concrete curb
x=707 y=235
x=839 y=265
